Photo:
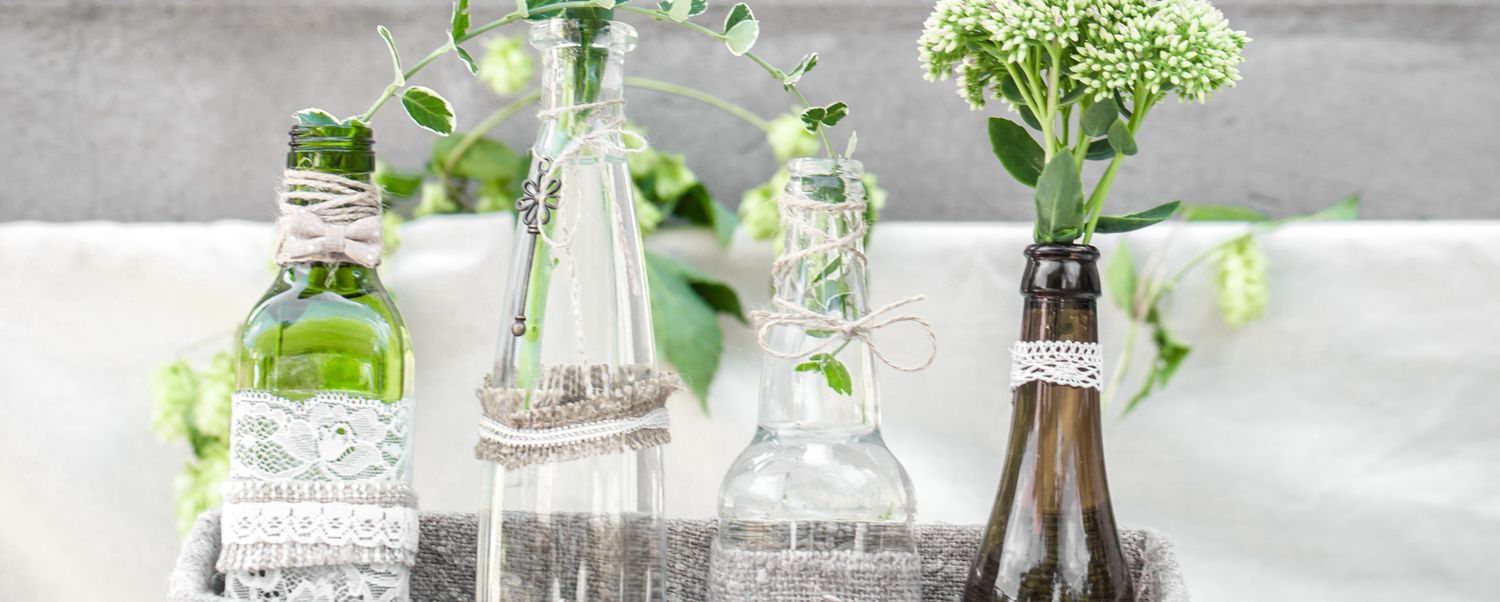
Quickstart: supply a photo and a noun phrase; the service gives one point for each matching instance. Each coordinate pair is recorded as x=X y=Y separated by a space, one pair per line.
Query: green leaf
x=1170 y=354
x=741 y=38
x=468 y=61
x=1017 y=151
x=827 y=116
x=695 y=7
x=1127 y=223
x=604 y=4
x=677 y=10
x=739 y=14
x=1345 y=210
x=1100 y=150
x=717 y=293
x=1059 y=201
x=1029 y=117
x=396 y=183
x=687 y=331
x=1121 y=277
x=838 y=377
x=803 y=67
x=459 y=24
x=828 y=270
x=1099 y=117
x=853 y=144
x=390 y=43
x=1012 y=92
x=522 y=9
x=428 y=109
x=698 y=206
x=313 y=116
x=1195 y=212
x=486 y=160
x=1073 y=96
x=1121 y=139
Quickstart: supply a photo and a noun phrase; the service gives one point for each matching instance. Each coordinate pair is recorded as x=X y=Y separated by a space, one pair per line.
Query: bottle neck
x=822 y=271
x=339 y=150
x=582 y=78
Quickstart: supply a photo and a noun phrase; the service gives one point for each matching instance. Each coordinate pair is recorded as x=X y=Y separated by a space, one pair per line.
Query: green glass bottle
x=319 y=503
x=327 y=327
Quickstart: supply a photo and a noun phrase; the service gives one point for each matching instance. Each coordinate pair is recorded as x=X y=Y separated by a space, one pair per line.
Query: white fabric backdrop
x=1343 y=449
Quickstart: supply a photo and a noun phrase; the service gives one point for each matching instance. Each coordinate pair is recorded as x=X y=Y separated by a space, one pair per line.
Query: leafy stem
x=734 y=110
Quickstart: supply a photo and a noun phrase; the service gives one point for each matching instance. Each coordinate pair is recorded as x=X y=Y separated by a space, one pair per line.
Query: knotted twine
x=583 y=410
x=327 y=218
x=799 y=217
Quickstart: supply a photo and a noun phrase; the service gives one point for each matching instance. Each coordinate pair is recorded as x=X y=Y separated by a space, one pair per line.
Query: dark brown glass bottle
x=1051 y=535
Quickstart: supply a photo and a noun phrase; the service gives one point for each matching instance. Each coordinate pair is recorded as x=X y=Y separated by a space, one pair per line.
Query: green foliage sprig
x=1143 y=289
x=1084 y=74
x=192 y=405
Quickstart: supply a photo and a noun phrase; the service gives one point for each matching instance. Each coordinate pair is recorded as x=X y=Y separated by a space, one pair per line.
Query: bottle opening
x=613 y=36
x=337 y=138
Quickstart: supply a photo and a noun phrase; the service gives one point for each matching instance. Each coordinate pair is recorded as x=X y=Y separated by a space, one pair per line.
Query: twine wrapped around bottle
x=326 y=218
x=799 y=217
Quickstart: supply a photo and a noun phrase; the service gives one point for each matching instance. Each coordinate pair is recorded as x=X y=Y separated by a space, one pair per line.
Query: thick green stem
x=1095 y=203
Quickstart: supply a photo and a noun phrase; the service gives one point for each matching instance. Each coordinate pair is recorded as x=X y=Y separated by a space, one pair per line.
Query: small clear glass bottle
x=817 y=486
x=324 y=377
x=589 y=528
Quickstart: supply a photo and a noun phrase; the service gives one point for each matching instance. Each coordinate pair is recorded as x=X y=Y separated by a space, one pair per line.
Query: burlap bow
x=330 y=219
x=307 y=237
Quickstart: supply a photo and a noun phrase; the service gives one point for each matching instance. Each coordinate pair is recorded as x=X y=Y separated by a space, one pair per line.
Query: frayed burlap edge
x=611 y=393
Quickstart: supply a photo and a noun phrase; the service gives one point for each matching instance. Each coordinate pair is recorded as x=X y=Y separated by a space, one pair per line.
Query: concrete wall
x=177 y=109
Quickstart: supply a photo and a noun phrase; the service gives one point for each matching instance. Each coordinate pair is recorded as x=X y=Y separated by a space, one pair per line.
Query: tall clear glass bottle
x=1051 y=536
x=817 y=491
x=324 y=375
x=590 y=528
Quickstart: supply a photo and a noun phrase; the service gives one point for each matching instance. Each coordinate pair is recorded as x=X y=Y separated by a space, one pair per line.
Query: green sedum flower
x=1137 y=47
x=1244 y=287
x=975 y=39
x=506 y=65
x=758 y=211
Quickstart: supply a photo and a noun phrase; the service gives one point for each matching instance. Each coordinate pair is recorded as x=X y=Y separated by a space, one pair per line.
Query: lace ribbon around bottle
x=1068 y=363
x=577 y=412
x=319 y=505
x=344 y=583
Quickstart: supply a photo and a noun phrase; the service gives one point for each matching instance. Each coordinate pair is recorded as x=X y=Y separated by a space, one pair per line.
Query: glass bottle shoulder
x=795 y=474
x=325 y=329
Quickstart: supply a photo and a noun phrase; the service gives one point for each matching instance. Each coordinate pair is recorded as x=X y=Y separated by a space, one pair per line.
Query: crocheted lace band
x=328 y=219
x=577 y=412
x=1069 y=363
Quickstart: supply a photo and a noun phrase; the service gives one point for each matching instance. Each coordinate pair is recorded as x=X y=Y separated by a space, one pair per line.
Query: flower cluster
x=1132 y=46
x=506 y=66
x=1110 y=46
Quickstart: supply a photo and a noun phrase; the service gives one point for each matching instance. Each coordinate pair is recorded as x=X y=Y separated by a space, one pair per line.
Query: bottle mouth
x=614 y=36
x=821 y=166
x=1063 y=252
x=345 y=137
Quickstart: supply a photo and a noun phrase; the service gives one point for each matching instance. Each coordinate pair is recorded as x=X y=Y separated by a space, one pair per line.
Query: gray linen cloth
x=445 y=563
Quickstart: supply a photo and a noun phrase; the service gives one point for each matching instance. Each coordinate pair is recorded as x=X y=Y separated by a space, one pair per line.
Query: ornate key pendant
x=535 y=207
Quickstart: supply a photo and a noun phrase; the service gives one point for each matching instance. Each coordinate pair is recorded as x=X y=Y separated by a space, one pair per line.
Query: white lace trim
x=370 y=583
x=326 y=523
x=564 y=436
x=329 y=437
x=1069 y=363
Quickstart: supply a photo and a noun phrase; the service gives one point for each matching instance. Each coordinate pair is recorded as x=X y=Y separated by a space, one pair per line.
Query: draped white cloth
x=1343 y=449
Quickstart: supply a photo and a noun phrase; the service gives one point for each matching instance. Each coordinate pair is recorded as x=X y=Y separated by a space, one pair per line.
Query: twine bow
x=798 y=217
x=328 y=218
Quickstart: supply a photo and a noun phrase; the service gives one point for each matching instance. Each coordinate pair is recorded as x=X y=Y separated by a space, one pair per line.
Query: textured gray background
x=177 y=110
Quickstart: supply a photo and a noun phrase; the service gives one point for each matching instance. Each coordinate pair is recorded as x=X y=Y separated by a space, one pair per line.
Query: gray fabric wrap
x=444 y=571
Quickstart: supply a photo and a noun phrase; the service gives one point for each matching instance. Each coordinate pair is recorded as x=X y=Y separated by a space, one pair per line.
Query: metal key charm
x=535 y=207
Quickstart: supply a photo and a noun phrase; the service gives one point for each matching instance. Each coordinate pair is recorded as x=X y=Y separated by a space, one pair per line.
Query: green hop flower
x=789 y=138
x=647 y=214
x=197 y=486
x=671 y=177
x=390 y=233
x=506 y=65
x=175 y=387
x=758 y=210
x=1244 y=288
x=434 y=201
x=215 y=387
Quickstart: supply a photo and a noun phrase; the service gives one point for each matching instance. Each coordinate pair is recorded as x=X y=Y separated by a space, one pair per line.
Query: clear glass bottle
x=322 y=333
x=817 y=483
x=1051 y=535
x=590 y=528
